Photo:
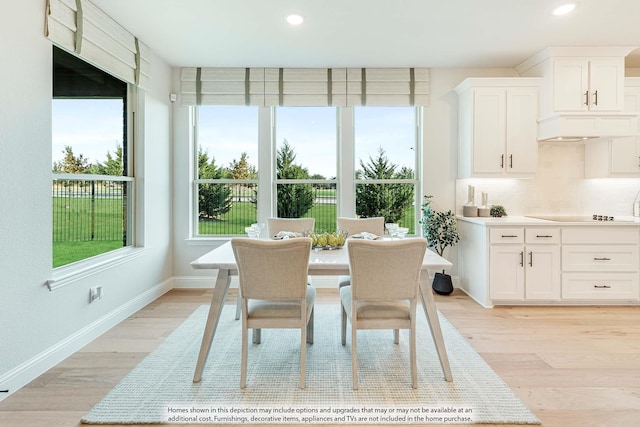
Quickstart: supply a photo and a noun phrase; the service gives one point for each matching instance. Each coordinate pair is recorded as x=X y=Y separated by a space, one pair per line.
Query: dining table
x=321 y=263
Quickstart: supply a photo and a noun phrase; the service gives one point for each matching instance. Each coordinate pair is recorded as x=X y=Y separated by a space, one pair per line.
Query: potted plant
x=439 y=228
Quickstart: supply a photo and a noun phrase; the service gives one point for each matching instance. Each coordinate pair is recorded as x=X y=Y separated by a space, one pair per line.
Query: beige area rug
x=160 y=389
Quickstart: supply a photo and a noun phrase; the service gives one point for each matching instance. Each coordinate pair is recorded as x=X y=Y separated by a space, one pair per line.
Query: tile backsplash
x=559 y=188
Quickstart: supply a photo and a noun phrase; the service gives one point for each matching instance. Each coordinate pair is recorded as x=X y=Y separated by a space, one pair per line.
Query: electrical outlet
x=95 y=293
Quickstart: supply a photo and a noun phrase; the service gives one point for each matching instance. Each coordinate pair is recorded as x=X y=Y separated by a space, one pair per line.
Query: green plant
x=497 y=211
x=439 y=228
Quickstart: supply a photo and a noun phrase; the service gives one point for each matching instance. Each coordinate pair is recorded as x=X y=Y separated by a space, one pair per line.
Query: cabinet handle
x=601 y=259
x=595 y=94
x=543 y=235
x=530 y=259
x=508 y=235
x=586 y=98
x=521 y=259
x=602 y=286
x=501 y=161
x=511 y=161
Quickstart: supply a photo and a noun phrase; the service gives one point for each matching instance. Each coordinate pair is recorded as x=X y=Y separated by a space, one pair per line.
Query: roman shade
x=81 y=27
x=305 y=86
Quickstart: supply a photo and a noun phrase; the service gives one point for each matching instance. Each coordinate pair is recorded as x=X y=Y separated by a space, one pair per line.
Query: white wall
x=39 y=326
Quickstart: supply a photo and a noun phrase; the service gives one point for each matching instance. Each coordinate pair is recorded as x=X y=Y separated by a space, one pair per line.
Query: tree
x=294 y=200
x=386 y=200
x=241 y=169
x=112 y=166
x=213 y=199
x=71 y=163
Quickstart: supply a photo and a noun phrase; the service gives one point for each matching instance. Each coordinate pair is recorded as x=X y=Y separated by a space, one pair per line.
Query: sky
x=94 y=127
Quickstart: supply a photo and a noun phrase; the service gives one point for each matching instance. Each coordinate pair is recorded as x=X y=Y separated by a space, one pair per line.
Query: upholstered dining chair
x=385 y=278
x=295 y=225
x=273 y=280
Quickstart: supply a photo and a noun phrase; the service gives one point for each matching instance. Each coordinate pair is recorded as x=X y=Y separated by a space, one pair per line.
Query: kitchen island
x=573 y=260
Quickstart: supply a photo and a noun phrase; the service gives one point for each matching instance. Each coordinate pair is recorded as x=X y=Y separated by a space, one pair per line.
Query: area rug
x=161 y=389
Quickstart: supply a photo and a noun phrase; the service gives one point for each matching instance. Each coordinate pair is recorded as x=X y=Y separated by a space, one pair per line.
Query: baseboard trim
x=26 y=372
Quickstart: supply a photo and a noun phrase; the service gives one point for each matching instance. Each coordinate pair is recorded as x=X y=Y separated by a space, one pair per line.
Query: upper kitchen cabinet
x=582 y=92
x=497 y=127
x=617 y=157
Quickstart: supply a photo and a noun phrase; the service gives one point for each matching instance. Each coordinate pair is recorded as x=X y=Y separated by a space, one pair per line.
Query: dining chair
x=385 y=277
x=273 y=280
x=353 y=226
x=295 y=225
x=274 y=226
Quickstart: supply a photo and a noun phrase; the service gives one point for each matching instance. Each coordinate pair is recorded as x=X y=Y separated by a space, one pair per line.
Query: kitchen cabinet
x=600 y=263
x=617 y=157
x=527 y=271
x=588 y=84
x=497 y=127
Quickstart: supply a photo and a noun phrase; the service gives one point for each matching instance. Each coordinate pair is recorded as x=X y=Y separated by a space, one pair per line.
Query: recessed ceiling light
x=564 y=9
x=295 y=19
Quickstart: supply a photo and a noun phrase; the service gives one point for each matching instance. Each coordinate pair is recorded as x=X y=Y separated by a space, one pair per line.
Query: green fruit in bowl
x=341 y=239
x=314 y=239
x=332 y=240
x=322 y=240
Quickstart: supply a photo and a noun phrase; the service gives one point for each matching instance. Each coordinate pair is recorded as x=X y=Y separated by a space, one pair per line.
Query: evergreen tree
x=241 y=169
x=213 y=199
x=386 y=200
x=71 y=163
x=294 y=200
x=112 y=166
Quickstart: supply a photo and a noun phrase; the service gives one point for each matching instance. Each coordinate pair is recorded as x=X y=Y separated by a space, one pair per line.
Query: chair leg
x=396 y=336
x=343 y=325
x=257 y=335
x=412 y=345
x=243 y=363
x=354 y=357
x=238 y=304
x=303 y=351
x=310 y=328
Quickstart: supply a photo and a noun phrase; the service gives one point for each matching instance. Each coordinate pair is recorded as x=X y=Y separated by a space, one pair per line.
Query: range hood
x=578 y=127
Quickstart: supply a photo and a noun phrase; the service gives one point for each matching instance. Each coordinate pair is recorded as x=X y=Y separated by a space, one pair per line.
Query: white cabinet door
x=625 y=155
x=489 y=117
x=570 y=84
x=606 y=84
x=522 y=130
x=595 y=84
x=542 y=272
x=506 y=272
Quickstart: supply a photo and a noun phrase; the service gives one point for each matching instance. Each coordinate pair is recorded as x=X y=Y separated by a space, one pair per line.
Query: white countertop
x=629 y=221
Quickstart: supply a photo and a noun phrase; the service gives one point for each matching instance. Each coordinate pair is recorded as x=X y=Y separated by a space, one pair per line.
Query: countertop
x=628 y=221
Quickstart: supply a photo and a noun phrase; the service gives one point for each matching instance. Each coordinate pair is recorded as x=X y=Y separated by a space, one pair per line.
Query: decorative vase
x=470 y=208
x=442 y=284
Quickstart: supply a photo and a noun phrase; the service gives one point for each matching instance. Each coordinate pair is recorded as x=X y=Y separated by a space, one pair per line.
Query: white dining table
x=321 y=263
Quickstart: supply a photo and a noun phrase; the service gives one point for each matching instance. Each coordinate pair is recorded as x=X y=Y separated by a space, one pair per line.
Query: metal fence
x=90 y=208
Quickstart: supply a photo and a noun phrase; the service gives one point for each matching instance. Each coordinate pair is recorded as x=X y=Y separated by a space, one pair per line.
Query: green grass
x=67 y=252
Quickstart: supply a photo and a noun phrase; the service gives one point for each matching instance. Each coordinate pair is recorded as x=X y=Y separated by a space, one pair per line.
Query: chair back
x=353 y=226
x=386 y=269
x=272 y=269
x=296 y=225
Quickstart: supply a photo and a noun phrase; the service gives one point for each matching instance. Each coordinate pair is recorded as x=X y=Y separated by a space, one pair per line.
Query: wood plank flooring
x=572 y=366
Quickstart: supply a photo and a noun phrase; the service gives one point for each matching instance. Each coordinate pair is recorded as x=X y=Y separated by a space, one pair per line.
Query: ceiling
x=371 y=33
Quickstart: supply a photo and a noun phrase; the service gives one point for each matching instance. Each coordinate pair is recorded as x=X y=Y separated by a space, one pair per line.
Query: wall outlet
x=95 y=293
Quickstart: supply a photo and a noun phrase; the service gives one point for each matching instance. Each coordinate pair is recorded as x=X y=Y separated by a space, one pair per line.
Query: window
x=386 y=163
x=306 y=164
x=301 y=173
x=226 y=169
x=92 y=182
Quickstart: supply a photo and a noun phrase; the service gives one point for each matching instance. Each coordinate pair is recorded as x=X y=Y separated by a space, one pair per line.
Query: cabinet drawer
x=542 y=235
x=506 y=235
x=608 y=234
x=600 y=286
x=600 y=258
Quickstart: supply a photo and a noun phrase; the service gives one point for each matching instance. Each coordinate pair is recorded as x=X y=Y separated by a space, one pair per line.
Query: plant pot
x=442 y=284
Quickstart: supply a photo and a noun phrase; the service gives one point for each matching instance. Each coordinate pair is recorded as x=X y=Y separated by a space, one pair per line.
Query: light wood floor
x=572 y=366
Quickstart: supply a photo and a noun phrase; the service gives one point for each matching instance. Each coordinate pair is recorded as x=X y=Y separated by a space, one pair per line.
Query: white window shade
x=305 y=86
x=81 y=27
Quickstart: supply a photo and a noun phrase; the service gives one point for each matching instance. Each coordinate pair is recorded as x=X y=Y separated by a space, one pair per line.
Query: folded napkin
x=286 y=235
x=366 y=236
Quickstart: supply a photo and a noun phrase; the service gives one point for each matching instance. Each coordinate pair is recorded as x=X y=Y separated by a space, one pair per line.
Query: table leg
x=217 y=302
x=429 y=305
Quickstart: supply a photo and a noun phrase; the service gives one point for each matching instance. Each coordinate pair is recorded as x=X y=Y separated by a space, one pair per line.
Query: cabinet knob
x=502 y=161
x=595 y=95
x=521 y=259
x=601 y=259
x=602 y=286
x=543 y=235
x=530 y=259
x=586 y=98
x=511 y=161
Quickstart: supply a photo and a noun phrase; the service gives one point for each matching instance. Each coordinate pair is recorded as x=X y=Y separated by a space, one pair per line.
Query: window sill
x=66 y=275
x=207 y=241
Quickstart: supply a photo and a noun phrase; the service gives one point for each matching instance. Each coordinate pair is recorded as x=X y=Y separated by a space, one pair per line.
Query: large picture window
x=92 y=181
